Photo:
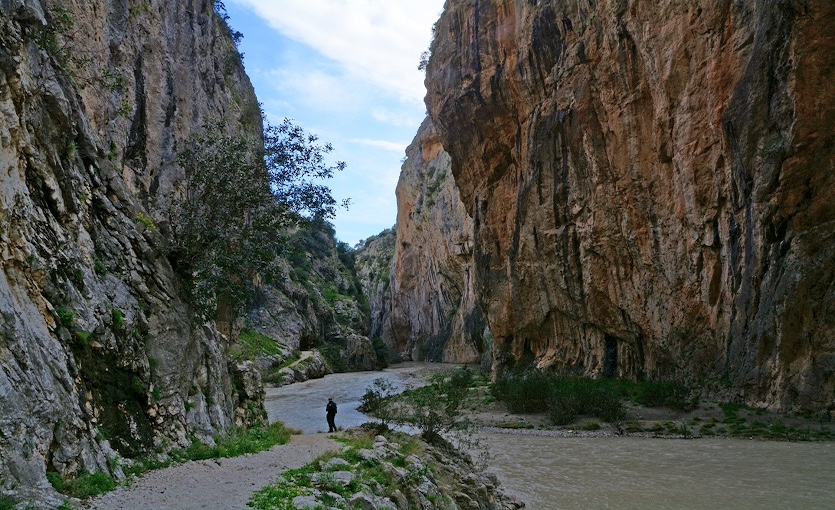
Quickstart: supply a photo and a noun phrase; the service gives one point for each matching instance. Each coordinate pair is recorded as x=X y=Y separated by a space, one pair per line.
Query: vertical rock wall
x=434 y=315
x=97 y=350
x=650 y=184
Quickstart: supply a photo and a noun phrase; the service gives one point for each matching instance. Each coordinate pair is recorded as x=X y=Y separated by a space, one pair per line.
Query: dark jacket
x=331 y=408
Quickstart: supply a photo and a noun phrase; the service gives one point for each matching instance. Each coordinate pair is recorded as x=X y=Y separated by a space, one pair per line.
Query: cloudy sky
x=345 y=70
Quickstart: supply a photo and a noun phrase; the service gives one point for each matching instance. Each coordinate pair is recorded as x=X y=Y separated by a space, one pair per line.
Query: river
x=551 y=473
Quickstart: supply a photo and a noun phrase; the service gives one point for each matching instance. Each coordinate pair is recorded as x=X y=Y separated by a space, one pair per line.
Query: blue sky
x=345 y=70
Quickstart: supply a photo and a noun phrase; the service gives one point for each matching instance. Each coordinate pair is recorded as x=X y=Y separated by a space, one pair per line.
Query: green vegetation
x=66 y=316
x=7 y=502
x=565 y=398
x=52 y=39
x=435 y=409
x=113 y=79
x=314 y=477
x=145 y=220
x=240 y=198
x=252 y=344
x=118 y=318
x=99 y=268
x=232 y=444
x=85 y=486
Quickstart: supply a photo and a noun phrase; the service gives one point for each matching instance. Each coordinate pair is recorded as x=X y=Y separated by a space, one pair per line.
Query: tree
x=239 y=195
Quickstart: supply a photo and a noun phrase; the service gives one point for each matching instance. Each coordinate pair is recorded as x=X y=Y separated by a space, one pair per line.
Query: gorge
x=603 y=188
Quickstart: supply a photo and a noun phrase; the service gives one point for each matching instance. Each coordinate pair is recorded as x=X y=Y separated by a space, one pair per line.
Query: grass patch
x=83 y=487
x=7 y=503
x=252 y=344
x=235 y=443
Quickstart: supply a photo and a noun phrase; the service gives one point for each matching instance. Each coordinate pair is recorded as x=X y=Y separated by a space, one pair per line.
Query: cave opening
x=610 y=357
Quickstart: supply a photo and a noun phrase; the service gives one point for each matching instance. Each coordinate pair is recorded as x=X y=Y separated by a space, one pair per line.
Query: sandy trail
x=214 y=484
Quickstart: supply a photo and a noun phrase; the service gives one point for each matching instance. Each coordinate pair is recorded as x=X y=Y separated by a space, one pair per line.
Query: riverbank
x=690 y=419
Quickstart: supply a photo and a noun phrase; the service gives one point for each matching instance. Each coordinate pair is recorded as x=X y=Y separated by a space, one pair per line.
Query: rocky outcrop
x=319 y=303
x=650 y=186
x=98 y=351
x=434 y=315
x=416 y=473
x=374 y=258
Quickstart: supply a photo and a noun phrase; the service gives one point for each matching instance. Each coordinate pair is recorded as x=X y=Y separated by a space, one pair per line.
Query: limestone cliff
x=434 y=315
x=97 y=349
x=650 y=184
x=319 y=303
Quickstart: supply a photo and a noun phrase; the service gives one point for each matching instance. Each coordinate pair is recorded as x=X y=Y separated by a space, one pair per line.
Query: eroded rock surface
x=650 y=185
x=99 y=354
x=434 y=315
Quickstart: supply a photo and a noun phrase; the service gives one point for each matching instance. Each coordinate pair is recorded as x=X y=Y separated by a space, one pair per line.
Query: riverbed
x=551 y=473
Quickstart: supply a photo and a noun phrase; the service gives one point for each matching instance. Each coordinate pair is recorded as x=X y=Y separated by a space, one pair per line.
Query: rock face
x=434 y=315
x=97 y=349
x=374 y=257
x=650 y=185
x=318 y=303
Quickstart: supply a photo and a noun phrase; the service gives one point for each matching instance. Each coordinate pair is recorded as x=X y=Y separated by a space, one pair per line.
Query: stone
x=93 y=322
x=335 y=464
x=649 y=190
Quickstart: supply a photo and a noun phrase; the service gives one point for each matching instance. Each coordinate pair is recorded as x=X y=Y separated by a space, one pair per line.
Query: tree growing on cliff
x=239 y=195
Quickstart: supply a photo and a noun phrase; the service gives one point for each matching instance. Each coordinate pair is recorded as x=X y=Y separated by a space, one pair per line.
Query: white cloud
x=379 y=41
x=395 y=119
x=381 y=144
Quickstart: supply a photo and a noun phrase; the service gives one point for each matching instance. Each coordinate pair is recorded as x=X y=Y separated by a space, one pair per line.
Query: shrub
x=376 y=400
x=524 y=393
x=669 y=394
x=66 y=316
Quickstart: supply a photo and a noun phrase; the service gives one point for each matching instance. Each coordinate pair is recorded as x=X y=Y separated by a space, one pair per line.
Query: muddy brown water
x=552 y=473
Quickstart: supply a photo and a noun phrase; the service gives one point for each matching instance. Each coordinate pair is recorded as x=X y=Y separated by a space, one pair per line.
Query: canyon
x=602 y=188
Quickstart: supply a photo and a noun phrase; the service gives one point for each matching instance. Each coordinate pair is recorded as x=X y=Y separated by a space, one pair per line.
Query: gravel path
x=214 y=484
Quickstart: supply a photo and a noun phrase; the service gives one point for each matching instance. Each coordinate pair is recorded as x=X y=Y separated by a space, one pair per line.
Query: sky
x=345 y=70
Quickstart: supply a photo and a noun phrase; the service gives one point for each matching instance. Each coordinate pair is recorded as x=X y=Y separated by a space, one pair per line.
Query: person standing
x=331 y=410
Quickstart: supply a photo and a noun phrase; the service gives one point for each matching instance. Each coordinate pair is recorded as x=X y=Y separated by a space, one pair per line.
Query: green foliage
x=118 y=318
x=66 y=316
x=376 y=400
x=7 y=502
x=667 y=394
x=436 y=408
x=238 y=196
x=332 y=352
x=112 y=78
x=83 y=487
x=237 y=442
x=145 y=220
x=125 y=108
x=565 y=398
x=570 y=397
x=51 y=37
x=99 y=268
x=252 y=344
